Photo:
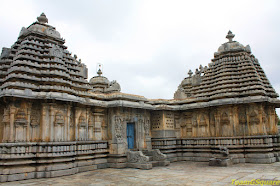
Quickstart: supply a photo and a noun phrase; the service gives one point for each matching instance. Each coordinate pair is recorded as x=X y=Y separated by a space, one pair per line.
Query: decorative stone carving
x=114 y=86
x=136 y=157
x=242 y=117
x=202 y=121
x=20 y=118
x=119 y=129
x=225 y=119
x=253 y=118
x=265 y=117
x=35 y=118
x=147 y=127
x=90 y=121
x=59 y=118
x=224 y=151
x=23 y=31
x=212 y=118
x=5 y=52
x=222 y=159
x=71 y=119
x=52 y=32
x=82 y=121
x=194 y=120
x=158 y=156
x=82 y=128
x=42 y=18
x=55 y=51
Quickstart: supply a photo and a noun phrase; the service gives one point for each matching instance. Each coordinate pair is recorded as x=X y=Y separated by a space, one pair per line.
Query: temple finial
x=99 y=72
x=42 y=18
x=230 y=36
x=190 y=73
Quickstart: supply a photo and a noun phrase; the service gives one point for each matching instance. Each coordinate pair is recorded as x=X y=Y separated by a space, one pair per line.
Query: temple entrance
x=130 y=135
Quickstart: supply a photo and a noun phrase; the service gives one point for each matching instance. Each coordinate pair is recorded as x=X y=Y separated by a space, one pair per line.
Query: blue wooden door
x=130 y=135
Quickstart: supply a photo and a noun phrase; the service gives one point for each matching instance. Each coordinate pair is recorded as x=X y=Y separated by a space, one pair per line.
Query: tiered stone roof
x=40 y=61
x=234 y=72
x=39 y=66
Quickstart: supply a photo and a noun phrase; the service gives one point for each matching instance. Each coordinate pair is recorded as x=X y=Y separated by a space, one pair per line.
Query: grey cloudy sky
x=148 y=46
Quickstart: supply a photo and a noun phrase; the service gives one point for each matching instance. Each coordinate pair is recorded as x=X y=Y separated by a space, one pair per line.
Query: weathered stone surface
x=220 y=162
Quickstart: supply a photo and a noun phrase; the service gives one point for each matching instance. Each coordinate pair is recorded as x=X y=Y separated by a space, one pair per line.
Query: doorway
x=130 y=135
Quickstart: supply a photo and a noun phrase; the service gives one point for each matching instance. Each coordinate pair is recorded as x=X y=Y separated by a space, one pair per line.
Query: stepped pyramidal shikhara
x=234 y=72
x=54 y=122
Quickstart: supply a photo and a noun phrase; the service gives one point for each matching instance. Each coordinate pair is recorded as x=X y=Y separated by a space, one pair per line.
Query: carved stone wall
x=32 y=121
x=118 y=120
x=226 y=121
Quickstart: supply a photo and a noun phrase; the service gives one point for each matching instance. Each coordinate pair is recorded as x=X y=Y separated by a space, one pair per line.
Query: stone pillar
x=87 y=120
x=104 y=128
x=231 y=121
x=194 y=124
x=235 y=120
x=45 y=131
x=147 y=132
x=98 y=119
x=76 y=122
x=6 y=123
x=67 y=123
x=217 y=123
x=12 y=122
x=51 y=122
x=28 y=111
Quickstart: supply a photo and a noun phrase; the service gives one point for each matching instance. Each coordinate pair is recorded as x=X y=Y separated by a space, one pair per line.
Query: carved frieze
x=225 y=118
x=59 y=118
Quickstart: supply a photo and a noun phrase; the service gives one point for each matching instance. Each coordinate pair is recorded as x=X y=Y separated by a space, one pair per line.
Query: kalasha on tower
x=54 y=122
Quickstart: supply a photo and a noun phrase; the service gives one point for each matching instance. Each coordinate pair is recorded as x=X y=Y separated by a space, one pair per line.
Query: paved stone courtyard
x=178 y=173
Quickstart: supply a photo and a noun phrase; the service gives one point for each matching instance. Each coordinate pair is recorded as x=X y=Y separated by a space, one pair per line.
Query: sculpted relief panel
x=227 y=121
x=82 y=124
x=21 y=123
x=225 y=126
x=120 y=129
x=59 y=126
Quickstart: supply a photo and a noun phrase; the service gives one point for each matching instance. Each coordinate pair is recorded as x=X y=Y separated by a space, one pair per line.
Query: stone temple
x=54 y=122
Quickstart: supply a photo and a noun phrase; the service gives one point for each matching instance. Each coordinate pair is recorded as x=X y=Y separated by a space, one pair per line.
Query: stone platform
x=178 y=173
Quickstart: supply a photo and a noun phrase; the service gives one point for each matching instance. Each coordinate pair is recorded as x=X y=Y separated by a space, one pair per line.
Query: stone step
x=160 y=163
